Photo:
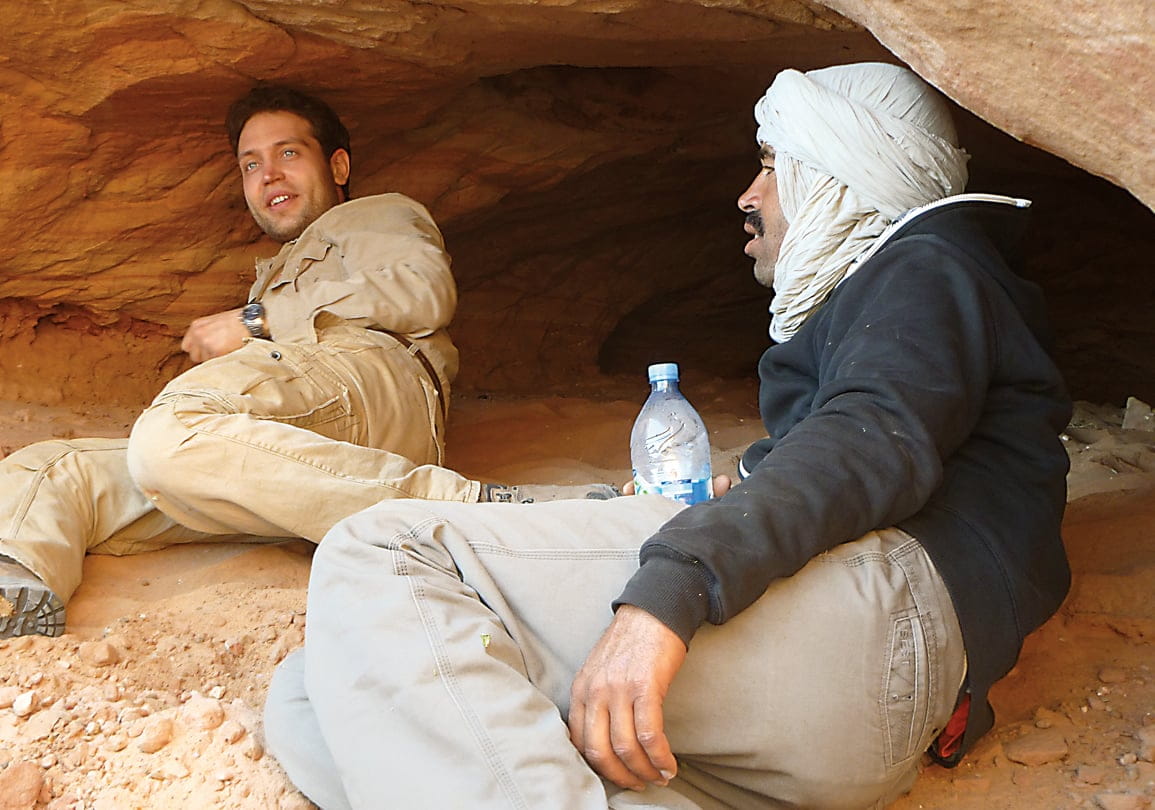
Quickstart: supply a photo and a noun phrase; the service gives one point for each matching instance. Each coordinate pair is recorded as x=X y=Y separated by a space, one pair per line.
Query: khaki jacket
x=378 y=263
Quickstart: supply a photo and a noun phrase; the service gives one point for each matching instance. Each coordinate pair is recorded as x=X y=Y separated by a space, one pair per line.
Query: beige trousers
x=442 y=640
x=270 y=441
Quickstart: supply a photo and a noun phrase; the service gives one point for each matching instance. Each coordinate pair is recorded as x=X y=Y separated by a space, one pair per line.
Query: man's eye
x=289 y=153
x=248 y=166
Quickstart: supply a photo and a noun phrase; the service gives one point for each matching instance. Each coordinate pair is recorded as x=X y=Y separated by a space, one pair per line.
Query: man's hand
x=214 y=335
x=722 y=485
x=615 y=715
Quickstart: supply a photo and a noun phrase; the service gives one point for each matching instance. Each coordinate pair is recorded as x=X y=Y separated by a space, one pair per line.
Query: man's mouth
x=277 y=200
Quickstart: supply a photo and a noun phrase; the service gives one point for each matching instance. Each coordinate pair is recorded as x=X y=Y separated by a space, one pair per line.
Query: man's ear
x=339 y=165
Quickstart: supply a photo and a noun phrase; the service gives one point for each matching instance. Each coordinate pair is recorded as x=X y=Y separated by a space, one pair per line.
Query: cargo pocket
x=906 y=688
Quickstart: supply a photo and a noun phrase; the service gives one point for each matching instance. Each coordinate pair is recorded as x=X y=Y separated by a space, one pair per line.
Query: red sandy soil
x=152 y=698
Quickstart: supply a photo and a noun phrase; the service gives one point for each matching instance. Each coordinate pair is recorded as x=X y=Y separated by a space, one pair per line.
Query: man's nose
x=750 y=199
x=272 y=171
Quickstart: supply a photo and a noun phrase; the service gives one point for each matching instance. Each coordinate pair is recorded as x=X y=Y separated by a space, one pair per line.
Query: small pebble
x=1112 y=675
x=1090 y=774
x=156 y=735
x=99 y=653
x=231 y=731
x=1037 y=748
x=25 y=704
x=20 y=784
x=251 y=748
x=1122 y=801
x=1147 y=743
x=202 y=713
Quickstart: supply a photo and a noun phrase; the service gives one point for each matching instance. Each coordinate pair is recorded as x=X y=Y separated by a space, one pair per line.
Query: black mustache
x=754 y=220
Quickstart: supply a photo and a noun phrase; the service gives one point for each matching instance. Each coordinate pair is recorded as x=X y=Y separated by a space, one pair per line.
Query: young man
x=325 y=393
x=849 y=602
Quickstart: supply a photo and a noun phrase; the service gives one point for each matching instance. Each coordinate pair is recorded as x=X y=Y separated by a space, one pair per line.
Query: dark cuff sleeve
x=675 y=592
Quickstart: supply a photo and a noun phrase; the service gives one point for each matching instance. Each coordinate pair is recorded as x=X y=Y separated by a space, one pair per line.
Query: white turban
x=855 y=147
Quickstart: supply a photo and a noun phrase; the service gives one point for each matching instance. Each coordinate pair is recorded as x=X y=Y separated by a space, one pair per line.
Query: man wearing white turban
x=850 y=601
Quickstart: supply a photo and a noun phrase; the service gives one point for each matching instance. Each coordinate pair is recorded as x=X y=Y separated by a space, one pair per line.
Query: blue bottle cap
x=663 y=371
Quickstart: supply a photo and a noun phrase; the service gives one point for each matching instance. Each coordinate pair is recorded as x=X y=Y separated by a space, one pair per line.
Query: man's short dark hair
x=327 y=127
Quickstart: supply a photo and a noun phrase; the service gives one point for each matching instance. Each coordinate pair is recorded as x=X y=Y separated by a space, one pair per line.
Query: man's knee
x=157 y=456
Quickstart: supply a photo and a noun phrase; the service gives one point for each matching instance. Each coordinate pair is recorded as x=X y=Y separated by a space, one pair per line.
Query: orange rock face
x=582 y=157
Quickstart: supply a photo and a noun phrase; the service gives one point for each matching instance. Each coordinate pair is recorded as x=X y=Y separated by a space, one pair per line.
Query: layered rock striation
x=582 y=158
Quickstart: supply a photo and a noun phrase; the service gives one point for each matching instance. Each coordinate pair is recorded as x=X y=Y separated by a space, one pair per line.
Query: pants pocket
x=906 y=688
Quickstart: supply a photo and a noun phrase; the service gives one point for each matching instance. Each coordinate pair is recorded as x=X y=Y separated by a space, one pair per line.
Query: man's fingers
x=650 y=733
x=599 y=742
x=629 y=747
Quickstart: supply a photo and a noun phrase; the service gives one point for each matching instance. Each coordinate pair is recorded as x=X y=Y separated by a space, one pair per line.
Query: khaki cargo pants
x=442 y=639
x=270 y=441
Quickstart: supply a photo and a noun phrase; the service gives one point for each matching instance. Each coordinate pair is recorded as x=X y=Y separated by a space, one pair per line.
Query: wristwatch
x=253 y=317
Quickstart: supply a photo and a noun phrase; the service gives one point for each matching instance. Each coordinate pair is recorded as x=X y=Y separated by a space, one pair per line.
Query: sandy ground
x=152 y=698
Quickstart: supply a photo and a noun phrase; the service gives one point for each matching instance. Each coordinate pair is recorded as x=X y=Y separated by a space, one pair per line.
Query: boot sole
x=28 y=611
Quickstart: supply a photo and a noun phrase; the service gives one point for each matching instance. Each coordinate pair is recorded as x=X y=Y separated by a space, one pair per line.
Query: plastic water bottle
x=669 y=447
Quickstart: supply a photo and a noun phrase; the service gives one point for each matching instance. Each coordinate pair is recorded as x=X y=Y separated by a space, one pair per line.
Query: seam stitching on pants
x=553 y=553
x=444 y=664
x=298 y=460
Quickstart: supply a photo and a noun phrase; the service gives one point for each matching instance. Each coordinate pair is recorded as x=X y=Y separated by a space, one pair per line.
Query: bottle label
x=687 y=491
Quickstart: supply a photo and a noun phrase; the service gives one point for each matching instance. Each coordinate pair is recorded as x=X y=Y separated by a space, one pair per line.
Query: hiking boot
x=27 y=605
x=537 y=493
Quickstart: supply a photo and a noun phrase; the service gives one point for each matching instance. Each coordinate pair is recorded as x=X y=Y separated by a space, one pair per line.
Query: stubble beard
x=288 y=231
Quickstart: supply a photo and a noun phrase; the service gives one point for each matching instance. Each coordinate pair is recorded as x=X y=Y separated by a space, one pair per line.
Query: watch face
x=253 y=317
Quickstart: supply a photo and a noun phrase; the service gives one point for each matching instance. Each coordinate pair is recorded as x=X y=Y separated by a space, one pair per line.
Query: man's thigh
x=290 y=384
x=827 y=690
x=550 y=571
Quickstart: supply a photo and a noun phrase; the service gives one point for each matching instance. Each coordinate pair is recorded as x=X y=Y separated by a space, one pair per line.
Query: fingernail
x=667 y=775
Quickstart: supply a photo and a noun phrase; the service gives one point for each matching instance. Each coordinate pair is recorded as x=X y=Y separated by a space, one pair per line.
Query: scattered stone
x=1090 y=774
x=157 y=733
x=26 y=703
x=116 y=742
x=42 y=724
x=1037 y=747
x=202 y=713
x=170 y=769
x=8 y=695
x=231 y=731
x=99 y=653
x=20 y=785
x=1122 y=801
x=251 y=748
x=1112 y=675
x=1138 y=415
x=1128 y=759
x=21 y=643
x=1147 y=744
x=1047 y=718
x=1097 y=703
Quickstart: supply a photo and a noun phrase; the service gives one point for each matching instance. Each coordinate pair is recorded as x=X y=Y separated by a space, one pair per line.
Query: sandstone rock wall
x=582 y=158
